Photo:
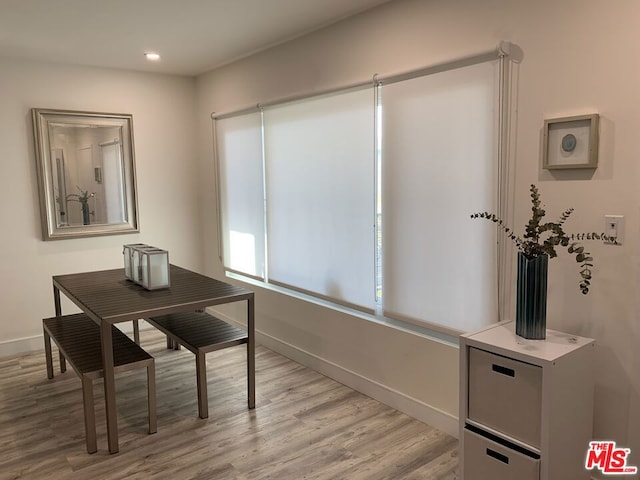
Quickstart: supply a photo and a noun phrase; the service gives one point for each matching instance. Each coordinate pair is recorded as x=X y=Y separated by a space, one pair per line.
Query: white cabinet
x=526 y=406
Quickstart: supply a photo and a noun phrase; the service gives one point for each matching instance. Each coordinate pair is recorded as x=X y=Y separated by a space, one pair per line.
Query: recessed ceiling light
x=152 y=56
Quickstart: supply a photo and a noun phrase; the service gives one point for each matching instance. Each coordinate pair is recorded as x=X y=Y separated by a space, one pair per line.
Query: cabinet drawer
x=487 y=460
x=505 y=395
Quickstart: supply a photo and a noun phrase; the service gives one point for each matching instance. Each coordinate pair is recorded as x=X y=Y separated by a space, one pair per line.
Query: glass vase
x=531 y=297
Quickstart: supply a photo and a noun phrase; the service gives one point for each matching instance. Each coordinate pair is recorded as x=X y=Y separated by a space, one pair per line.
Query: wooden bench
x=78 y=341
x=199 y=333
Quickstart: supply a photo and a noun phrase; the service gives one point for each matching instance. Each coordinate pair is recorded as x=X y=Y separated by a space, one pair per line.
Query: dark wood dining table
x=108 y=298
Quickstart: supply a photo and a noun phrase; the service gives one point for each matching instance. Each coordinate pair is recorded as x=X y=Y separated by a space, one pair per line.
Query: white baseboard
x=393 y=398
x=11 y=348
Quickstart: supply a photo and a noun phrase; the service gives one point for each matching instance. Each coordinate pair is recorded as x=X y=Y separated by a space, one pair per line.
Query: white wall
x=164 y=135
x=580 y=56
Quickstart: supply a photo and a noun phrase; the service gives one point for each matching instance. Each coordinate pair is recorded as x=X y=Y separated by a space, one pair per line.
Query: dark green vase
x=86 y=220
x=531 y=298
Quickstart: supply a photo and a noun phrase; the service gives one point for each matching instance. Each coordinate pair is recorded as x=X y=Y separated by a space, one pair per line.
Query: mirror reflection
x=86 y=173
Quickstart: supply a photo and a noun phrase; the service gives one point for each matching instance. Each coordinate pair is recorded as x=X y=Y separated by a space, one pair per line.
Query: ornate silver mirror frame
x=86 y=173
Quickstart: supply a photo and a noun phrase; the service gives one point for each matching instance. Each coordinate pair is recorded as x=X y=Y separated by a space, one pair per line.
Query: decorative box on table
x=146 y=265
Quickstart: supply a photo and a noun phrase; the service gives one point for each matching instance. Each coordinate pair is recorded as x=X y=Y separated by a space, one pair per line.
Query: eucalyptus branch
x=543 y=238
x=494 y=218
x=83 y=197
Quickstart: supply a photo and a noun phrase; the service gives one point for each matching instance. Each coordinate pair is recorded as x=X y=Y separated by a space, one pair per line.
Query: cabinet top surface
x=502 y=336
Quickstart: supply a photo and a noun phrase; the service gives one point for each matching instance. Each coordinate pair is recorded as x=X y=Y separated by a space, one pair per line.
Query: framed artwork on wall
x=571 y=142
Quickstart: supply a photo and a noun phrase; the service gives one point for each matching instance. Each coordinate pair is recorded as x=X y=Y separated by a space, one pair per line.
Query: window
x=364 y=199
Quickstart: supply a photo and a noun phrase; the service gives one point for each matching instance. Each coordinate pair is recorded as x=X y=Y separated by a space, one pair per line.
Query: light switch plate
x=614 y=227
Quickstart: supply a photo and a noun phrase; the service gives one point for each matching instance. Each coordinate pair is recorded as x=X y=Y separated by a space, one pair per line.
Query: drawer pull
x=510 y=372
x=498 y=456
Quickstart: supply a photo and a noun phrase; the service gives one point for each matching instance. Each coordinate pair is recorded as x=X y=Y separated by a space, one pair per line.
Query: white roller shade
x=239 y=150
x=439 y=166
x=320 y=196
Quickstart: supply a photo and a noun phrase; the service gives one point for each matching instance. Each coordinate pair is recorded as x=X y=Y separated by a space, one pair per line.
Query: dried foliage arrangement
x=543 y=238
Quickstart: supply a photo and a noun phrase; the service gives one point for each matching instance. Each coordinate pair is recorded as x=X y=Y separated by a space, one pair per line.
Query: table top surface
x=108 y=296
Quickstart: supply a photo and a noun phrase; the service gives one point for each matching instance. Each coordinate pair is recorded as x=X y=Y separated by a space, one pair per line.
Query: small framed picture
x=571 y=142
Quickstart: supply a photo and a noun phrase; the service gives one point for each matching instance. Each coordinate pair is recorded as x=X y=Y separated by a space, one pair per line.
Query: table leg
x=106 y=338
x=136 y=331
x=56 y=301
x=251 y=352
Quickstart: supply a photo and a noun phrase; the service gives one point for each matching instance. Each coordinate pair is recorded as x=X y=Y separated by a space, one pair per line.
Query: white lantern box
x=146 y=265
x=127 y=253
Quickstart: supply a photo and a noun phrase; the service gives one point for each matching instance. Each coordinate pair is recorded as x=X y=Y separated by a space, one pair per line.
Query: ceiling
x=192 y=36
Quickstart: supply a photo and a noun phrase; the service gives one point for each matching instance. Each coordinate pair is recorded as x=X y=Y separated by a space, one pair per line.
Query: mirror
x=86 y=173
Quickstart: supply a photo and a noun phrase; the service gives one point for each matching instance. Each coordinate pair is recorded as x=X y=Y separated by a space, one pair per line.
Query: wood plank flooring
x=305 y=425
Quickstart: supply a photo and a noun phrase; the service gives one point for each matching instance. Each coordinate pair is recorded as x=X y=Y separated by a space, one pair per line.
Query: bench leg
x=136 y=332
x=151 y=397
x=251 y=353
x=89 y=414
x=47 y=354
x=63 y=362
x=251 y=376
x=201 y=379
x=172 y=344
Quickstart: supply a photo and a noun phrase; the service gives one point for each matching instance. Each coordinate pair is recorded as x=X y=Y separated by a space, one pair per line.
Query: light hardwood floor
x=305 y=425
